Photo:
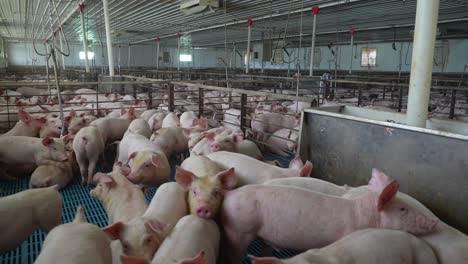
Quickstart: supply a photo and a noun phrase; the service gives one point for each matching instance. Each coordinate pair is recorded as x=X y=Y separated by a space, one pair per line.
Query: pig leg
x=92 y=168
x=236 y=244
x=83 y=164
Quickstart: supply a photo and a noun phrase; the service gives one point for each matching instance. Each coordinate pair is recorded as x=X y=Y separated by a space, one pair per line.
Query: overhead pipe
x=158 y=43
x=61 y=46
x=85 y=41
x=249 y=36
x=108 y=37
x=425 y=31
x=353 y=32
x=270 y=16
x=315 y=11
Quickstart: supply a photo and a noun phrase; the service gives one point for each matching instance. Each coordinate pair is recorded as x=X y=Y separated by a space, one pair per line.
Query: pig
x=74 y=123
x=52 y=128
x=198 y=259
x=19 y=150
x=171 y=120
x=232 y=119
x=281 y=141
x=368 y=246
x=192 y=236
x=233 y=142
x=199 y=144
x=139 y=126
x=146 y=115
x=122 y=199
x=52 y=174
x=155 y=122
x=90 y=142
x=26 y=211
x=143 y=235
x=187 y=119
x=272 y=122
x=27 y=125
x=253 y=171
x=333 y=217
x=76 y=242
x=172 y=140
x=206 y=184
x=149 y=165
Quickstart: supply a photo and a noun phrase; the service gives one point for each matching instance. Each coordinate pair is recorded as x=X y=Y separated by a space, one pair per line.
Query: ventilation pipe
x=108 y=37
x=85 y=40
x=316 y=11
x=249 y=36
x=427 y=12
x=179 y=35
x=158 y=42
x=353 y=32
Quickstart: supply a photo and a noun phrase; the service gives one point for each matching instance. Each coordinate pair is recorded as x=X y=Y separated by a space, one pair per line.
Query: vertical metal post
x=427 y=12
x=201 y=95
x=178 y=50
x=234 y=56
x=453 y=101
x=129 y=55
x=158 y=44
x=316 y=11
x=171 y=97
x=243 y=108
x=61 y=46
x=110 y=56
x=85 y=39
x=249 y=36
x=353 y=32
x=400 y=99
x=5 y=59
x=359 y=102
x=150 y=97
x=263 y=47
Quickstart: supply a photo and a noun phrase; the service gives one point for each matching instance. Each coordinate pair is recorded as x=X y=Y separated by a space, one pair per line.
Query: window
x=368 y=57
x=90 y=55
x=185 y=57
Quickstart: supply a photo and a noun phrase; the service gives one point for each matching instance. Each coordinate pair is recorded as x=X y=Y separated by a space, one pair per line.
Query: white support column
x=353 y=32
x=110 y=56
x=427 y=12
x=234 y=55
x=5 y=57
x=178 y=50
x=85 y=40
x=263 y=46
x=316 y=11
x=249 y=36
x=119 y=59
x=129 y=55
x=61 y=46
x=158 y=43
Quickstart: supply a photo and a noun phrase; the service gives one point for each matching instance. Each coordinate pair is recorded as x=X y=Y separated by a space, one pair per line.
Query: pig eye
x=125 y=246
x=402 y=209
x=194 y=192
x=216 y=193
x=148 y=240
x=147 y=165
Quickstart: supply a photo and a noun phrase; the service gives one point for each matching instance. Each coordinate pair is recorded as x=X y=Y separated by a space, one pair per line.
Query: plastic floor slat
x=76 y=194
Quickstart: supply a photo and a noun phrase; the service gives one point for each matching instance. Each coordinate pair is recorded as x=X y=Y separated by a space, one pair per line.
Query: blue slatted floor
x=76 y=194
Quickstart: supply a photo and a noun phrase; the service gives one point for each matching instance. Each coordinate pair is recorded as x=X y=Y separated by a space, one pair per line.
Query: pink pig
x=28 y=126
x=253 y=171
x=315 y=219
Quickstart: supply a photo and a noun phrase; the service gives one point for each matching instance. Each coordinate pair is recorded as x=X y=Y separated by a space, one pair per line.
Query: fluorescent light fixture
x=185 y=57
x=90 y=55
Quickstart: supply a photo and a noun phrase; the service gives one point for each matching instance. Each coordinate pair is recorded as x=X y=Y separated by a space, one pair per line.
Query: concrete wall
x=145 y=55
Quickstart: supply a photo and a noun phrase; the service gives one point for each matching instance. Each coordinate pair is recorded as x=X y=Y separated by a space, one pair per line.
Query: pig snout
x=215 y=147
x=424 y=225
x=204 y=212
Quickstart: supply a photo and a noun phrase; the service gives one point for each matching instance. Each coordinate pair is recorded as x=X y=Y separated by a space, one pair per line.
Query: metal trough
x=430 y=165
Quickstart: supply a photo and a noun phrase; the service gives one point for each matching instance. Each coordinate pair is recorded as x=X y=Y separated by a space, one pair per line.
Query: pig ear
x=24 y=116
x=80 y=215
x=83 y=114
x=157 y=161
x=131 y=111
x=47 y=141
x=67 y=119
x=256 y=260
x=153 y=225
x=103 y=178
x=210 y=136
x=198 y=259
x=378 y=181
x=132 y=156
x=387 y=195
x=238 y=139
x=113 y=231
x=184 y=178
x=133 y=260
x=72 y=113
x=296 y=163
x=306 y=170
x=42 y=120
x=122 y=111
x=228 y=179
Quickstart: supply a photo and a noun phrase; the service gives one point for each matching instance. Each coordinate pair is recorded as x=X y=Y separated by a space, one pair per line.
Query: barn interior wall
x=388 y=59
